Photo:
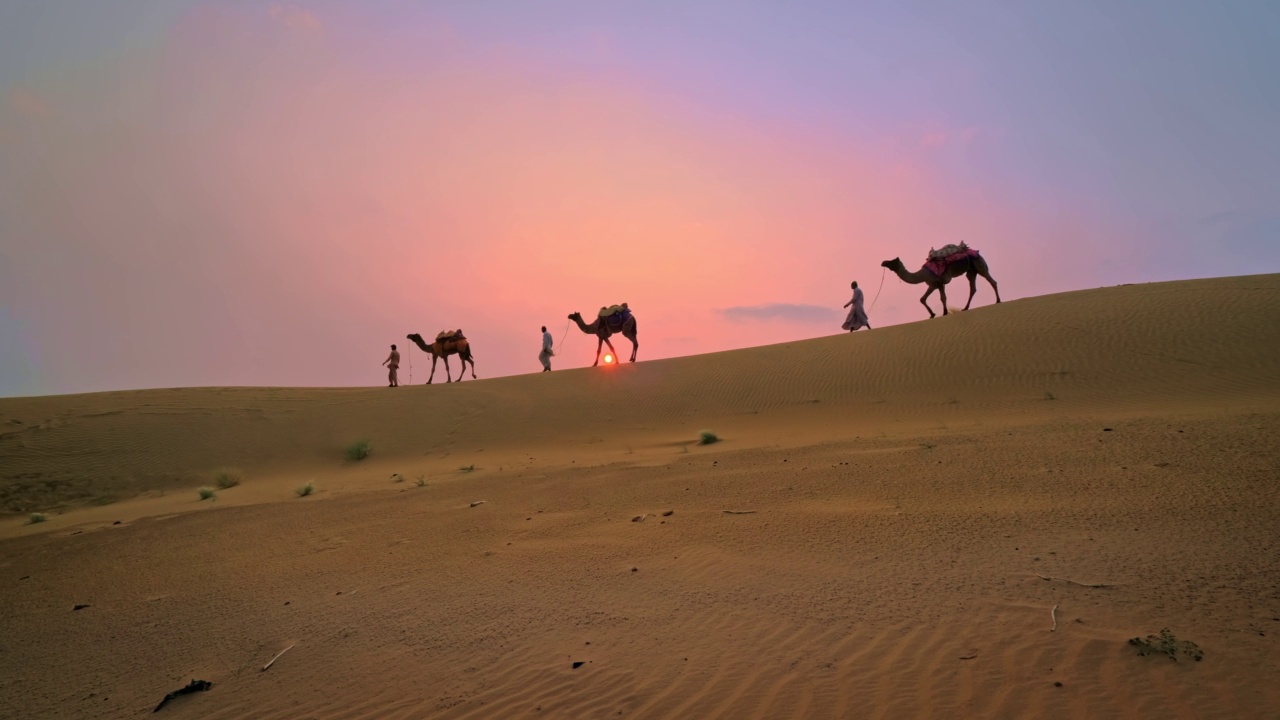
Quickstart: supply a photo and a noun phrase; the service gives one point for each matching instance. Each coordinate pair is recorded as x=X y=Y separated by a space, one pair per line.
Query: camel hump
x=444 y=335
x=948 y=251
x=939 y=259
x=613 y=310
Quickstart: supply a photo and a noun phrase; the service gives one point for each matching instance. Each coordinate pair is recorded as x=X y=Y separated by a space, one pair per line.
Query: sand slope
x=907 y=488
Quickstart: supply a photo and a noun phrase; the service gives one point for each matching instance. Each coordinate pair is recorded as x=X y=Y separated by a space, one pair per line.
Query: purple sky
x=258 y=193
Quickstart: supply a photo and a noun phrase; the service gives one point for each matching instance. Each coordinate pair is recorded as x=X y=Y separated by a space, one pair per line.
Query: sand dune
x=903 y=494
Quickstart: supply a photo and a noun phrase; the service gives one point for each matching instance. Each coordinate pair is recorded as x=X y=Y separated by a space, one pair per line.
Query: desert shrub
x=359 y=450
x=207 y=493
x=227 y=478
x=305 y=490
x=706 y=437
x=467 y=468
x=37 y=518
x=1166 y=644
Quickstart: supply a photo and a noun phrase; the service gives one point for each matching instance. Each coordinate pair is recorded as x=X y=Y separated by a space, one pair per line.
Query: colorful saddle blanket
x=444 y=335
x=940 y=258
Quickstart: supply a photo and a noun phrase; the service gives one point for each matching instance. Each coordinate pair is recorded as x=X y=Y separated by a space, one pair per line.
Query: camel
x=602 y=331
x=970 y=267
x=443 y=349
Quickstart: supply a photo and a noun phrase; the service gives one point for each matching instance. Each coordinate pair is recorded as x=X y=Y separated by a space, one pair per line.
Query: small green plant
x=359 y=450
x=227 y=478
x=467 y=468
x=306 y=490
x=37 y=518
x=706 y=437
x=1166 y=644
x=207 y=493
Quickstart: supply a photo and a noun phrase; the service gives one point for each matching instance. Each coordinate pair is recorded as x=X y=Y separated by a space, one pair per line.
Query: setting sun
x=608 y=359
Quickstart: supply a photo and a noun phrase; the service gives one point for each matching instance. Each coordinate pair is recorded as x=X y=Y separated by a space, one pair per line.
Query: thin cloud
x=28 y=104
x=296 y=17
x=788 y=312
x=939 y=137
x=1226 y=216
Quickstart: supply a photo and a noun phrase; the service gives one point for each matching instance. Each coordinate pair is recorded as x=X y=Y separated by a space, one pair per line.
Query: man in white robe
x=857 y=316
x=545 y=356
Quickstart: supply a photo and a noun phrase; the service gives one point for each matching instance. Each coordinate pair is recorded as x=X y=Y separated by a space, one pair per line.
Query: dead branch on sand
x=739 y=512
x=1073 y=582
x=1054 y=614
x=277 y=657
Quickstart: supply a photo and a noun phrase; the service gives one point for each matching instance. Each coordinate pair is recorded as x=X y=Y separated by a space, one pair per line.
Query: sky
x=241 y=192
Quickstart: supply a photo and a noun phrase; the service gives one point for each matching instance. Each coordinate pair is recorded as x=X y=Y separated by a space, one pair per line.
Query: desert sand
x=961 y=517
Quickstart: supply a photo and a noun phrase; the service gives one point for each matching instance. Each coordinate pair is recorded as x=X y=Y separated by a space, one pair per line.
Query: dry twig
x=1073 y=582
x=739 y=512
x=277 y=657
x=1054 y=614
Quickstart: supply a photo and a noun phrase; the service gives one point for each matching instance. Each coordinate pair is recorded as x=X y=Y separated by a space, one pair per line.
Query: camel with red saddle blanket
x=938 y=269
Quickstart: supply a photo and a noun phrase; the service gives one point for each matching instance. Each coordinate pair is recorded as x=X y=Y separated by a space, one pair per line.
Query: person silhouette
x=857 y=316
x=547 y=353
x=393 y=363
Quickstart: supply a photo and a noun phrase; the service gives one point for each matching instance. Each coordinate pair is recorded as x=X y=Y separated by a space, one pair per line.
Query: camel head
x=575 y=316
x=891 y=263
x=417 y=340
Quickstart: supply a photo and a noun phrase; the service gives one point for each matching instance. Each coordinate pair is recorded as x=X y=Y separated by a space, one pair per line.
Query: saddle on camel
x=446 y=335
x=939 y=259
x=614 y=316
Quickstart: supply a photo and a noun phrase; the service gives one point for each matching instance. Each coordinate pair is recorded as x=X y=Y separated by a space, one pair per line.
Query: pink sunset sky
x=253 y=193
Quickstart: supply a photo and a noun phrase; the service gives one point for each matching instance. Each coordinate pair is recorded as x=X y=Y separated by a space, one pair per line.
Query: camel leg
x=995 y=287
x=925 y=301
x=433 y=370
x=615 y=352
x=635 y=346
x=599 y=347
x=973 y=287
x=447 y=374
x=942 y=293
x=473 y=368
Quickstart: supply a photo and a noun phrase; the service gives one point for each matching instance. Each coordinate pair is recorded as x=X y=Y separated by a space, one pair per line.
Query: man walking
x=544 y=357
x=857 y=315
x=393 y=363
